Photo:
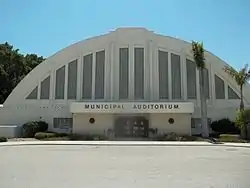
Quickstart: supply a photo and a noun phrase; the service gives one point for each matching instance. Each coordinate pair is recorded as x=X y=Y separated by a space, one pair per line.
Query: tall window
x=139 y=73
x=87 y=77
x=163 y=74
x=219 y=88
x=191 y=79
x=45 y=88
x=99 y=75
x=72 y=80
x=176 y=76
x=123 y=73
x=60 y=83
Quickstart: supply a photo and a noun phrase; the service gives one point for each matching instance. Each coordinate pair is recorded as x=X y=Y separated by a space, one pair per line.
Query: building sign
x=137 y=107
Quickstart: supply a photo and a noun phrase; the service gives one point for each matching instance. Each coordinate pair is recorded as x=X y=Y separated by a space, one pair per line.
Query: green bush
x=61 y=134
x=42 y=135
x=42 y=126
x=240 y=117
x=31 y=128
x=3 y=139
x=45 y=135
x=224 y=126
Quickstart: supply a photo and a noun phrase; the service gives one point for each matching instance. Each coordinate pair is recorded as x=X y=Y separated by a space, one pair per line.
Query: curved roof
x=120 y=37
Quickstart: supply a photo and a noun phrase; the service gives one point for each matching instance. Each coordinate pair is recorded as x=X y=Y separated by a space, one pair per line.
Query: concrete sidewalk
x=123 y=143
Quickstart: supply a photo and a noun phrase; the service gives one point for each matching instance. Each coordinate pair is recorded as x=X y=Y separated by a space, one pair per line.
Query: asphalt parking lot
x=124 y=166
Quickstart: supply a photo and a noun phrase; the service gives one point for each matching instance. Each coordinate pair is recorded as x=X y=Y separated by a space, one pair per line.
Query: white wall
x=181 y=125
x=17 y=110
x=102 y=123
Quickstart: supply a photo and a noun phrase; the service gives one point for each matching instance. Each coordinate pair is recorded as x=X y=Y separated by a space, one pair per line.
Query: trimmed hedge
x=31 y=128
x=3 y=139
x=225 y=126
x=44 y=135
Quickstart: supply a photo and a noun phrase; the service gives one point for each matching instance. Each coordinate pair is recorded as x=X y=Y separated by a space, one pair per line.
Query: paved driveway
x=124 y=167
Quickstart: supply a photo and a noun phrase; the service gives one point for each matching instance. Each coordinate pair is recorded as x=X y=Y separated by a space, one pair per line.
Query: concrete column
x=66 y=82
x=79 y=78
x=39 y=90
x=131 y=73
x=155 y=73
x=147 y=62
x=169 y=76
x=52 y=85
x=226 y=90
x=93 y=74
x=112 y=76
x=107 y=74
x=183 y=75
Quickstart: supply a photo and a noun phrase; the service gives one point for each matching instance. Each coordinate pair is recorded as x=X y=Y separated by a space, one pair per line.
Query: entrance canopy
x=132 y=107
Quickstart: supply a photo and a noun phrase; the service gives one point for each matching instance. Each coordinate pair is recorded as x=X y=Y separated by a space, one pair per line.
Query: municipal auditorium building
x=128 y=81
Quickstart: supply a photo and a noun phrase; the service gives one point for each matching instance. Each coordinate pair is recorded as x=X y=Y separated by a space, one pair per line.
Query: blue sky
x=46 y=26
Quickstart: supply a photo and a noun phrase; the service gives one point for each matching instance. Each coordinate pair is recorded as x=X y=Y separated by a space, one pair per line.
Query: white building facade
x=128 y=81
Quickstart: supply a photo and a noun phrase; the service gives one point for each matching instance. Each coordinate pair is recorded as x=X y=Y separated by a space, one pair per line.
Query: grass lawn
x=231 y=138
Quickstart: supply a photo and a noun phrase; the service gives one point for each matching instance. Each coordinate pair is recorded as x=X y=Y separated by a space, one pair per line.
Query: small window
x=170 y=120
x=62 y=123
x=91 y=120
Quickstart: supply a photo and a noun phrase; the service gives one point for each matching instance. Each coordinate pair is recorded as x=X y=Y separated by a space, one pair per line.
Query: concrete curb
x=123 y=143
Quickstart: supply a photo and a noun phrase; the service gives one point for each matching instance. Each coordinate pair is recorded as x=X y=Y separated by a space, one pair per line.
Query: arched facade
x=127 y=65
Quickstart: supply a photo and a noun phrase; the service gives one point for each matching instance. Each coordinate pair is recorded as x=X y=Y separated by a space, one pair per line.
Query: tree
x=241 y=77
x=198 y=54
x=14 y=66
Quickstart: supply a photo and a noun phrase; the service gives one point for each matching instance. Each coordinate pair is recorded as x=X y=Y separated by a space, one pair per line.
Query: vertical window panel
x=139 y=73
x=72 y=80
x=176 y=76
x=191 y=79
x=87 y=77
x=99 y=76
x=60 y=83
x=45 y=88
x=163 y=74
x=219 y=88
x=123 y=72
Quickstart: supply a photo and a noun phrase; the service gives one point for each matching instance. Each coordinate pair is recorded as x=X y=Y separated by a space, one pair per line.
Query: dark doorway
x=135 y=126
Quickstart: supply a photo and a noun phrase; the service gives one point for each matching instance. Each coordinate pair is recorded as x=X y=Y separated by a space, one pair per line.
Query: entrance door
x=135 y=126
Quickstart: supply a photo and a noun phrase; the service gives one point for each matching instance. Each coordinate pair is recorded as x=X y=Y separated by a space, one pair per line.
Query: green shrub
x=61 y=134
x=240 y=117
x=224 y=126
x=31 y=128
x=42 y=135
x=42 y=126
x=3 y=139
